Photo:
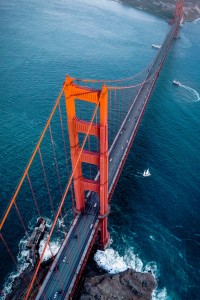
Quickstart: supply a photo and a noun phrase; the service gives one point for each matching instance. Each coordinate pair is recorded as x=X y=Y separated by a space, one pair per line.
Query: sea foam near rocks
x=112 y=262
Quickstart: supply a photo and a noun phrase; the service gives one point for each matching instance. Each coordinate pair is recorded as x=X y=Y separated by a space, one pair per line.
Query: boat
x=175 y=82
x=155 y=46
x=146 y=173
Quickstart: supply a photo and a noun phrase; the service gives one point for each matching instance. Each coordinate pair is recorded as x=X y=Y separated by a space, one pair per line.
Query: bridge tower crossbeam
x=75 y=126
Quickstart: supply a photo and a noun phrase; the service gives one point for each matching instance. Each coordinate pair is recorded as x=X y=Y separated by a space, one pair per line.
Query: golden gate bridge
x=100 y=118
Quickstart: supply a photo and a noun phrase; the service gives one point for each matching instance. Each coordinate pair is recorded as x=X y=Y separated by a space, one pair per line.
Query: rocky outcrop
x=19 y=285
x=125 y=285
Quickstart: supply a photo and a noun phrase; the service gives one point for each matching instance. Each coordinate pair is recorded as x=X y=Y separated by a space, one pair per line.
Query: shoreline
x=97 y=282
x=191 y=11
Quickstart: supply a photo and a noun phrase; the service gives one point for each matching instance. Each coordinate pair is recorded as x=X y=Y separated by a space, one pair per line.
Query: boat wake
x=196 y=94
x=197 y=20
x=113 y=263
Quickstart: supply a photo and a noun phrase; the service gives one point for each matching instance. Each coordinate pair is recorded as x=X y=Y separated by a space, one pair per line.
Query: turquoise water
x=157 y=216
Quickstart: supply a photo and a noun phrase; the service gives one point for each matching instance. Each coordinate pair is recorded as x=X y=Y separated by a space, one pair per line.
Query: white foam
x=197 y=20
x=48 y=223
x=8 y=285
x=54 y=245
x=160 y=294
x=133 y=261
x=22 y=265
x=110 y=260
x=152 y=237
x=191 y=90
x=152 y=266
x=23 y=252
x=52 y=250
x=113 y=263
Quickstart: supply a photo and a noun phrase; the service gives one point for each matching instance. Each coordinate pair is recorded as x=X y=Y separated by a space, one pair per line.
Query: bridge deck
x=63 y=272
x=127 y=132
x=76 y=244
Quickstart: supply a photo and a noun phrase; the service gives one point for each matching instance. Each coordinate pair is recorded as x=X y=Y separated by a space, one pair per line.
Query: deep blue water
x=158 y=216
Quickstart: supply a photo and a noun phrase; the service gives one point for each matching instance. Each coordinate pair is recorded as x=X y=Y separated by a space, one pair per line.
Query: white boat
x=155 y=46
x=146 y=173
x=176 y=82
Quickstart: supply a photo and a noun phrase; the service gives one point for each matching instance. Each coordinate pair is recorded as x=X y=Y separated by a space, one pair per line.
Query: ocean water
x=157 y=216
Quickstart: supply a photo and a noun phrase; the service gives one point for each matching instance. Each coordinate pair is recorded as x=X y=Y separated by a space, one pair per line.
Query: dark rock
x=125 y=285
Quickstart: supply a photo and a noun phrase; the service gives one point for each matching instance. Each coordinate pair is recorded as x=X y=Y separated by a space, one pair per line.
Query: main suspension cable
x=31 y=159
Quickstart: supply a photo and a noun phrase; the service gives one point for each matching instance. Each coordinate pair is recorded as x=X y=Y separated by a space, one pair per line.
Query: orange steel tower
x=179 y=9
x=100 y=186
x=178 y=14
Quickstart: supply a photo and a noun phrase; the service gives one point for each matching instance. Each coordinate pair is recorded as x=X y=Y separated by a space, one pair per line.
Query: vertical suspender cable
x=55 y=158
x=65 y=150
x=20 y=217
x=31 y=187
x=46 y=181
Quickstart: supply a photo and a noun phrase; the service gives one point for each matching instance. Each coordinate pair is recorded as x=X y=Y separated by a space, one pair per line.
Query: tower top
x=179 y=9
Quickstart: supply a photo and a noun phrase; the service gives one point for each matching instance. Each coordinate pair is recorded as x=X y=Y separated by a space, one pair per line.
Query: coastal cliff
x=98 y=284
x=124 y=285
x=166 y=9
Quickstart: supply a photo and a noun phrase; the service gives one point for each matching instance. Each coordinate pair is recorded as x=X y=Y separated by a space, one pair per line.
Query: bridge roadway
x=61 y=277
x=63 y=273
x=127 y=132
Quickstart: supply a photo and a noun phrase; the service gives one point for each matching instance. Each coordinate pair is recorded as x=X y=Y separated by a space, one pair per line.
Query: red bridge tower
x=179 y=9
x=100 y=98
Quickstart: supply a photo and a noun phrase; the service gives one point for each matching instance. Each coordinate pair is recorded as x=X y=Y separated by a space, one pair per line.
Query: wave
x=52 y=250
x=152 y=237
x=160 y=294
x=197 y=20
x=22 y=254
x=54 y=246
x=113 y=263
x=22 y=265
x=191 y=90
